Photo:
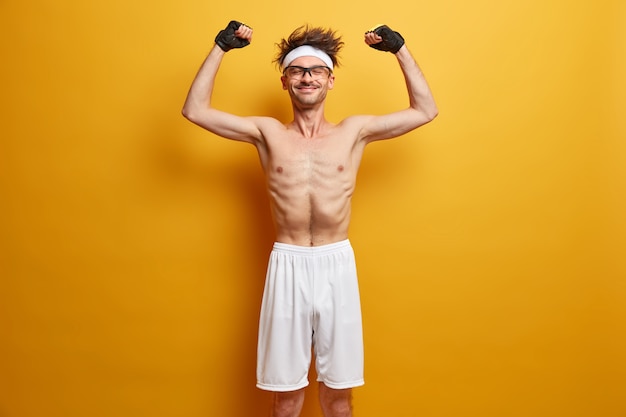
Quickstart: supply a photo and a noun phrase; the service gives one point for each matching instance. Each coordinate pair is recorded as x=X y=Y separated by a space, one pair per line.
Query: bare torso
x=310 y=181
x=310 y=165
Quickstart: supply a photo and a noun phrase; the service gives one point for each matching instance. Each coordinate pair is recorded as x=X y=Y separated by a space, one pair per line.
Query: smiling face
x=308 y=91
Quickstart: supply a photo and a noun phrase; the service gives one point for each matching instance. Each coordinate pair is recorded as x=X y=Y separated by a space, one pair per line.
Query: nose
x=307 y=71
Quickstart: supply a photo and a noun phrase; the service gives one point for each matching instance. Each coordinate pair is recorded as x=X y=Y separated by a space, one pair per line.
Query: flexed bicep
x=392 y=125
x=229 y=126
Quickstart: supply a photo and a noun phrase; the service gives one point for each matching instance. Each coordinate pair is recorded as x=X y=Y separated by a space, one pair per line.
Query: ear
x=331 y=82
x=283 y=81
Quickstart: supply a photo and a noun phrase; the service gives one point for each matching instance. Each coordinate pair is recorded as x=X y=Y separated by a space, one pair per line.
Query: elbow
x=429 y=113
x=425 y=111
x=425 y=115
x=192 y=109
x=432 y=113
x=186 y=111
x=189 y=114
x=197 y=113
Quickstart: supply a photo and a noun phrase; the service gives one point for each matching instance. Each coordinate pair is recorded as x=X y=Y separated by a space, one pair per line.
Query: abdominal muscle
x=309 y=221
x=310 y=192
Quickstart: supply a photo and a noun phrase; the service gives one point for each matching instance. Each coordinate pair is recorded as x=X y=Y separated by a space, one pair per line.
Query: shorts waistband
x=312 y=250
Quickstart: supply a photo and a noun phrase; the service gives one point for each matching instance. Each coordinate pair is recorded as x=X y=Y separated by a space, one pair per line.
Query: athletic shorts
x=311 y=302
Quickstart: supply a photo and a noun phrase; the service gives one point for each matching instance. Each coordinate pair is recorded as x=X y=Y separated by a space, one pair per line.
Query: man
x=311 y=293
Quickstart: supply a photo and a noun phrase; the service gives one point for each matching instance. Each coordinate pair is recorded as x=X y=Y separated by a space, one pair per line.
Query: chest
x=312 y=151
x=311 y=157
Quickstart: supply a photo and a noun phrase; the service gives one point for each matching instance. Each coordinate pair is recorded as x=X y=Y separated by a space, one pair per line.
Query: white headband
x=307 y=50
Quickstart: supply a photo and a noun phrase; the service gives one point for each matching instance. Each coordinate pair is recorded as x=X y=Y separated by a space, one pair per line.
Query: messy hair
x=323 y=39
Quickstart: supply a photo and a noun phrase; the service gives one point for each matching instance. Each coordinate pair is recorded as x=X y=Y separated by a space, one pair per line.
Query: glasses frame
x=307 y=70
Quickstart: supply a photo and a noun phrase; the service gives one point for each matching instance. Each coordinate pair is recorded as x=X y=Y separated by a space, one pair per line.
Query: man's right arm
x=198 y=108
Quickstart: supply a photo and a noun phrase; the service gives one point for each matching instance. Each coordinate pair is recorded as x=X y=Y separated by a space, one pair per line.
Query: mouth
x=306 y=87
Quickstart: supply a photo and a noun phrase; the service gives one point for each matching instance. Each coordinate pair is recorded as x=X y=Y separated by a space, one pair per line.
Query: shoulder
x=267 y=122
x=355 y=125
x=270 y=130
x=268 y=126
x=358 y=120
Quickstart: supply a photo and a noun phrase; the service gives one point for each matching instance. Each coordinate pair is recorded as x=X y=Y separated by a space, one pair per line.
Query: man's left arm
x=422 y=108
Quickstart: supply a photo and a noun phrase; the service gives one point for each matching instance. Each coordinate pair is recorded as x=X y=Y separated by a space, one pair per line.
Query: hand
x=383 y=38
x=235 y=35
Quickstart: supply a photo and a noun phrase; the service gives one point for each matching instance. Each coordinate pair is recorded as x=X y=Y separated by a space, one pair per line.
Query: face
x=309 y=89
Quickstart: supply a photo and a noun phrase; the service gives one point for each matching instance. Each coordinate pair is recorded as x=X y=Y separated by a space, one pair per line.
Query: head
x=307 y=59
x=326 y=40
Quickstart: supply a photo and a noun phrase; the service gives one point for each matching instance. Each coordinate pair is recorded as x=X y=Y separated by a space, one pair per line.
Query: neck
x=309 y=122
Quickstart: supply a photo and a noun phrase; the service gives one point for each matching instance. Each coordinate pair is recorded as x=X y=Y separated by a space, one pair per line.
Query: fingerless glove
x=227 y=40
x=392 y=41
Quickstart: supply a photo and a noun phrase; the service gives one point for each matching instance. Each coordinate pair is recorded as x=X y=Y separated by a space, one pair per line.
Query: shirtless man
x=311 y=294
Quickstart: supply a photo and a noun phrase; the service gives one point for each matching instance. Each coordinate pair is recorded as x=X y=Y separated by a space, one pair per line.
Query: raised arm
x=422 y=108
x=198 y=108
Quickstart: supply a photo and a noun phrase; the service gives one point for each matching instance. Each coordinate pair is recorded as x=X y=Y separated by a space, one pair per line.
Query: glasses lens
x=317 y=72
x=295 y=72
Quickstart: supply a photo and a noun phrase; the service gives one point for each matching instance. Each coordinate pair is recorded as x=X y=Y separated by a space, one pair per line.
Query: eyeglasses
x=316 y=72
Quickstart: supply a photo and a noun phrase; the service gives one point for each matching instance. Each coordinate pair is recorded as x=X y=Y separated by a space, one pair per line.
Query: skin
x=310 y=164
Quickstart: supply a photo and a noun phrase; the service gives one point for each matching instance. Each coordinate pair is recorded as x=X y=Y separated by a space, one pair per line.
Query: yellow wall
x=490 y=243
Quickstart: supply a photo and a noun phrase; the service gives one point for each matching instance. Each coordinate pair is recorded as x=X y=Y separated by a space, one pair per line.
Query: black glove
x=392 y=41
x=227 y=40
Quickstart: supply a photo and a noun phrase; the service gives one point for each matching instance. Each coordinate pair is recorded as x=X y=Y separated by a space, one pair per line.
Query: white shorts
x=311 y=299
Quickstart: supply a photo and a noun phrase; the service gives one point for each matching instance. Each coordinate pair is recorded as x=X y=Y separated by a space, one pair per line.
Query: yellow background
x=490 y=243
